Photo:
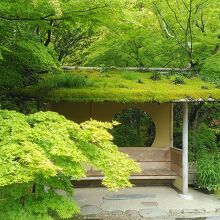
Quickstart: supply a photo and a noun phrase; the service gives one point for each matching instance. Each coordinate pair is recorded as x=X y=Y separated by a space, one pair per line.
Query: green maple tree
x=41 y=153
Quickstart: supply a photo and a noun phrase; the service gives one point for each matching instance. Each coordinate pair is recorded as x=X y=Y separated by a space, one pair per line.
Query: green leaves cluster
x=37 y=35
x=159 y=33
x=208 y=171
x=42 y=152
x=206 y=153
x=211 y=69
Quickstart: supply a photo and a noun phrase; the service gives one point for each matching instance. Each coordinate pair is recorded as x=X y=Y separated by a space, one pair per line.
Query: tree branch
x=175 y=15
x=49 y=32
x=50 y=16
x=202 y=25
x=199 y=5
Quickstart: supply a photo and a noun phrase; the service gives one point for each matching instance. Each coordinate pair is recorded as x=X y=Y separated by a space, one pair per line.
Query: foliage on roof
x=211 y=69
x=121 y=86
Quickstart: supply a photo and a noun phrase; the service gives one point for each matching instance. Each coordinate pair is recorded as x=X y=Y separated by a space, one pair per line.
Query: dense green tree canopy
x=37 y=35
x=160 y=33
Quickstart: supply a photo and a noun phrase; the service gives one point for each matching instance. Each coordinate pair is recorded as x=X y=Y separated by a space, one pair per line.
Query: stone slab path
x=140 y=203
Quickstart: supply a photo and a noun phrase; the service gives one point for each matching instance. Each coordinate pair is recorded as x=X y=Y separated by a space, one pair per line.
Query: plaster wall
x=161 y=114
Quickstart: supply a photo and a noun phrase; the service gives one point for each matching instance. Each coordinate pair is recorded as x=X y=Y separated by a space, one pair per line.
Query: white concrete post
x=185 y=162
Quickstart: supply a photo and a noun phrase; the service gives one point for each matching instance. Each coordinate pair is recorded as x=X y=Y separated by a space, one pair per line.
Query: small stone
x=213 y=218
x=153 y=212
x=105 y=213
x=185 y=211
x=117 y=212
x=90 y=210
x=200 y=211
x=174 y=211
x=150 y=204
x=210 y=210
x=218 y=210
x=132 y=214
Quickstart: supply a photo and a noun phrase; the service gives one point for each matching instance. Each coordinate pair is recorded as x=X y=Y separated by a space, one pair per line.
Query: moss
x=116 y=87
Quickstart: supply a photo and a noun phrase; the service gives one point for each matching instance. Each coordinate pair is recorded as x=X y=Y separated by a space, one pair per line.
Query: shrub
x=130 y=75
x=189 y=74
x=210 y=71
x=204 y=150
x=65 y=80
x=9 y=78
x=156 y=76
x=205 y=141
x=204 y=87
x=42 y=152
x=30 y=56
x=71 y=81
x=208 y=171
x=140 y=81
x=178 y=80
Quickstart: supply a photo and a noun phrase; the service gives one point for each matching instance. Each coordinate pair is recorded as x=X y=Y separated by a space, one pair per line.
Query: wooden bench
x=155 y=164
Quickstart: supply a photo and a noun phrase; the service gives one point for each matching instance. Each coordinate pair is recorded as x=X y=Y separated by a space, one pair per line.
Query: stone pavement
x=140 y=203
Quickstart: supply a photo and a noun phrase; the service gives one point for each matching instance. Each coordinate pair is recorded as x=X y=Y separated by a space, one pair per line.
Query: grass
x=64 y=81
x=123 y=86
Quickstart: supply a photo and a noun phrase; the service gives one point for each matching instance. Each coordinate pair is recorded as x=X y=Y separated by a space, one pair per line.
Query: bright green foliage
x=37 y=35
x=65 y=81
x=205 y=150
x=178 y=80
x=123 y=87
x=205 y=141
x=191 y=26
x=211 y=69
x=67 y=27
x=208 y=171
x=30 y=56
x=158 y=33
x=42 y=152
x=131 y=39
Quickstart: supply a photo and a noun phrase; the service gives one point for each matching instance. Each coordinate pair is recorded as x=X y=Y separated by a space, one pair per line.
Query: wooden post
x=171 y=124
x=185 y=162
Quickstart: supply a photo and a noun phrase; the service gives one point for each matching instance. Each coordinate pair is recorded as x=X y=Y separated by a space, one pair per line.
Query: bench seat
x=155 y=164
x=144 y=174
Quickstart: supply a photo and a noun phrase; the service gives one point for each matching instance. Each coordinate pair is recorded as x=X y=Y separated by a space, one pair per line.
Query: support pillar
x=171 y=124
x=185 y=162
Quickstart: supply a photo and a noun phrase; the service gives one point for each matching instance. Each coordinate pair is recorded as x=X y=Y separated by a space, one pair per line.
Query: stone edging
x=94 y=212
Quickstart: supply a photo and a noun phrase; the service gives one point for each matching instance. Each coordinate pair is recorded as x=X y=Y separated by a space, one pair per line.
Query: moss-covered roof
x=120 y=86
